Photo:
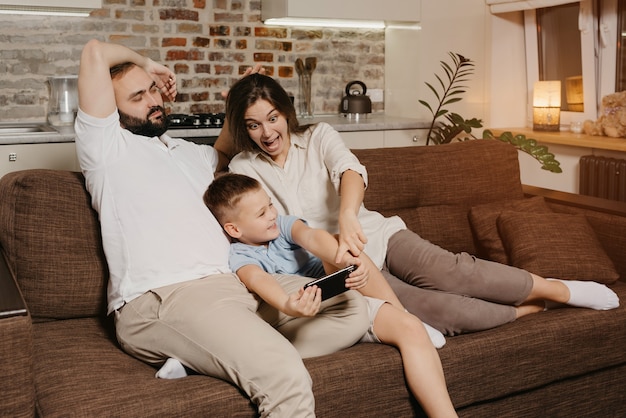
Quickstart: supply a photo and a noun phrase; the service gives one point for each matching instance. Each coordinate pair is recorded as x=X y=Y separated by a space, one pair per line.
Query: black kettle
x=355 y=102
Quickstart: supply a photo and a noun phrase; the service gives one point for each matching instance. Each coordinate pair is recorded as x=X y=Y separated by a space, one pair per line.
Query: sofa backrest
x=50 y=236
x=432 y=188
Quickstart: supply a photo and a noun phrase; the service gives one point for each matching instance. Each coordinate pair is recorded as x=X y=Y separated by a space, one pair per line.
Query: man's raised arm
x=95 y=88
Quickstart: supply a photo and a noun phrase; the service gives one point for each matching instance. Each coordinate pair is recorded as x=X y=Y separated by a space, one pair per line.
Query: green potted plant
x=450 y=90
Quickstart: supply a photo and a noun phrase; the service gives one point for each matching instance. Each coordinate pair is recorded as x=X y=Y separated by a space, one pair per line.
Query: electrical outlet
x=376 y=95
x=12 y=156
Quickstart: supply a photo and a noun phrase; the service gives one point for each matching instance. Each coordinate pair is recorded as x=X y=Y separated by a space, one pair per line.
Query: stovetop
x=200 y=120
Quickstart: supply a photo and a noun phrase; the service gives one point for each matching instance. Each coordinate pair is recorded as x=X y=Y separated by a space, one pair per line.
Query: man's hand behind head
x=258 y=68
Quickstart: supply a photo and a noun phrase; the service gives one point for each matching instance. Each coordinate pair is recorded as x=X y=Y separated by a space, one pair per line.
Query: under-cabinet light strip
x=45 y=11
x=328 y=23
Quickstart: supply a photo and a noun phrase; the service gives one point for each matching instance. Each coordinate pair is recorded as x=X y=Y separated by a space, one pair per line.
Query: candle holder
x=547 y=106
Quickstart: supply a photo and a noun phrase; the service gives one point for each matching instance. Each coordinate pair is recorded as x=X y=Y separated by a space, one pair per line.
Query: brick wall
x=209 y=43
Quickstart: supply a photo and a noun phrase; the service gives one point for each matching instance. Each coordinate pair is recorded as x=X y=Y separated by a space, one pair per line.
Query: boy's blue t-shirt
x=282 y=255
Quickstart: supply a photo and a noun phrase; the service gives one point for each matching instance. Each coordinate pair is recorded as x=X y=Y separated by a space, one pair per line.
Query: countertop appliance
x=200 y=120
x=201 y=128
x=355 y=102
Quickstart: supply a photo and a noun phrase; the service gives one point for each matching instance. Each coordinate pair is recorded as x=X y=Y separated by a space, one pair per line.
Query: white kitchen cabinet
x=363 y=139
x=405 y=138
x=385 y=139
x=57 y=156
x=389 y=10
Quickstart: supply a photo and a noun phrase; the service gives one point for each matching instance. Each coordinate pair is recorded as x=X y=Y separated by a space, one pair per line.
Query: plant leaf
x=434 y=91
x=424 y=103
x=443 y=85
x=529 y=146
x=453 y=100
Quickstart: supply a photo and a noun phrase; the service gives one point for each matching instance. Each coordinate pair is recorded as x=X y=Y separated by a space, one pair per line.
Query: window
x=577 y=43
x=559 y=52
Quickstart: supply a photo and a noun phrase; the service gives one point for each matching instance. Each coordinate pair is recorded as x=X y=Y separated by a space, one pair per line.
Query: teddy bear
x=612 y=120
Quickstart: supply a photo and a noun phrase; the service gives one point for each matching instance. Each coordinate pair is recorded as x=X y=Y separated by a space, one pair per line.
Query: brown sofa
x=59 y=356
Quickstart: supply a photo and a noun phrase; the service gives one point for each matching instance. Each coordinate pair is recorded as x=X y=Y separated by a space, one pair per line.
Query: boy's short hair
x=225 y=192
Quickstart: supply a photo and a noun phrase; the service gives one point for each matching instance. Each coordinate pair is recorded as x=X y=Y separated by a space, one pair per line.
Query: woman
x=309 y=172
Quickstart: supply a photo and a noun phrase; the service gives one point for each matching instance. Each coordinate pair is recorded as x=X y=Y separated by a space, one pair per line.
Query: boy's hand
x=359 y=277
x=306 y=302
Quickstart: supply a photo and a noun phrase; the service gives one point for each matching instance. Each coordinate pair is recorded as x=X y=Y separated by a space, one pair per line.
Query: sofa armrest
x=17 y=398
x=607 y=218
x=11 y=301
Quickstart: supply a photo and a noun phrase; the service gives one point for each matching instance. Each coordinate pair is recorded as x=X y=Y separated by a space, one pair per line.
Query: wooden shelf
x=568 y=138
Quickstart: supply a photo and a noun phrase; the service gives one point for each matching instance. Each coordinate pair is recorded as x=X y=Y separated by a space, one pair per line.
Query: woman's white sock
x=588 y=294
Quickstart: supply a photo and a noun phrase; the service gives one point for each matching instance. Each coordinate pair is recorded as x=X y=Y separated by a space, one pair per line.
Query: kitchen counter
x=370 y=122
x=48 y=136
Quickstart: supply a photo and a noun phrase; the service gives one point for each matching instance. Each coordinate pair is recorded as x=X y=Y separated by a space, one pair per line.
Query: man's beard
x=146 y=127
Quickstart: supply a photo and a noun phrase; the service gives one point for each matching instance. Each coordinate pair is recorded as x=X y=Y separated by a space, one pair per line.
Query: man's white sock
x=172 y=369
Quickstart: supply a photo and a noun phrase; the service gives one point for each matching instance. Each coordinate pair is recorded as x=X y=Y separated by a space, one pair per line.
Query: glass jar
x=63 y=103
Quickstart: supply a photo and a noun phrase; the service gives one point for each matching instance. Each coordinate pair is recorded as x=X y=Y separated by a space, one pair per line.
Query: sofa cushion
x=483 y=220
x=51 y=238
x=608 y=228
x=16 y=356
x=79 y=368
x=555 y=245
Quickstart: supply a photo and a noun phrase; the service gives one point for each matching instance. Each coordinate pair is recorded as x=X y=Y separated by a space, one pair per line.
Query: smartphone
x=333 y=284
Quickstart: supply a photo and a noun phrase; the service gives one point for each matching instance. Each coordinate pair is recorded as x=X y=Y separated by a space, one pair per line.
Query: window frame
x=598 y=50
x=608 y=27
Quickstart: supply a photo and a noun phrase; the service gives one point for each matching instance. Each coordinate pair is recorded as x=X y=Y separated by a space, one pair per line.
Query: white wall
x=413 y=57
x=507 y=86
x=497 y=92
